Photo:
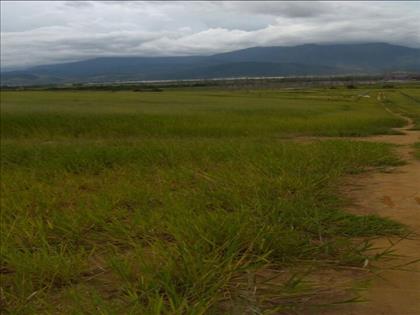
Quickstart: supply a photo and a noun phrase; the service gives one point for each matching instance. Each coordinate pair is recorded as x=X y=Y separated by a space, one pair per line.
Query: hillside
x=309 y=59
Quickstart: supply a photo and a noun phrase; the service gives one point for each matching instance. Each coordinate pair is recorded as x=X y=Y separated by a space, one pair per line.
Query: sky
x=45 y=32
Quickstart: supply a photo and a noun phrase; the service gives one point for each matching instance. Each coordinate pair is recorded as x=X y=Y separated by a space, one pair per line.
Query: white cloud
x=55 y=31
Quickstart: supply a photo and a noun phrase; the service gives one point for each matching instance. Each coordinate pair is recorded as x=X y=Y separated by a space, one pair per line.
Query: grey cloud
x=287 y=9
x=58 y=32
x=78 y=4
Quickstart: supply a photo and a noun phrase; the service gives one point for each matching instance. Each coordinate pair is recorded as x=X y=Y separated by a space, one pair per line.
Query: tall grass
x=107 y=115
x=175 y=203
x=407 y=101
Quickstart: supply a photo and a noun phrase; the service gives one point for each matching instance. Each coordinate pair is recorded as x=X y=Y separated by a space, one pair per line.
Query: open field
x=176 y=202
x=407 y=101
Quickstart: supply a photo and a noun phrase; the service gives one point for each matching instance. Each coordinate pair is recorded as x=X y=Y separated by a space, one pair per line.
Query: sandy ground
x=396 y=195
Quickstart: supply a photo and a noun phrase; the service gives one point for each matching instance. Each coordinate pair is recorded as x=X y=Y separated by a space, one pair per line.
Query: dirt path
x=396 y=195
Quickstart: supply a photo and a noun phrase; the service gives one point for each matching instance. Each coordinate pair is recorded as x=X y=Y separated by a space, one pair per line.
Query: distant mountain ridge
x=308 y=59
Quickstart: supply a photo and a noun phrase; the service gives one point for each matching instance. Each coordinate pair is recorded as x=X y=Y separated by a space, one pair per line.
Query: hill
x=309 y=59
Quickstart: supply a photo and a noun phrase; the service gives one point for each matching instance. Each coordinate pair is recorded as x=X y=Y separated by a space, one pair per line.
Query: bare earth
x=396 y=195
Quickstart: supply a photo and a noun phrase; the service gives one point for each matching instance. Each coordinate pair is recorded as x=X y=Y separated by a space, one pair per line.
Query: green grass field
x=407 y=101
x=167 y=203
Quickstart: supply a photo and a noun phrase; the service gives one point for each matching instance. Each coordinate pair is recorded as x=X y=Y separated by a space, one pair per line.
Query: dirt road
x=395 y=195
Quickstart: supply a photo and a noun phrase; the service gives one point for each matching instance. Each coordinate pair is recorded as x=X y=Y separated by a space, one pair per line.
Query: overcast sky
x=42 y=32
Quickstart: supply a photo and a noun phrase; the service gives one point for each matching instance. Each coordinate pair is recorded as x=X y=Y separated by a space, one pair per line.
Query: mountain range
x=308 y=59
